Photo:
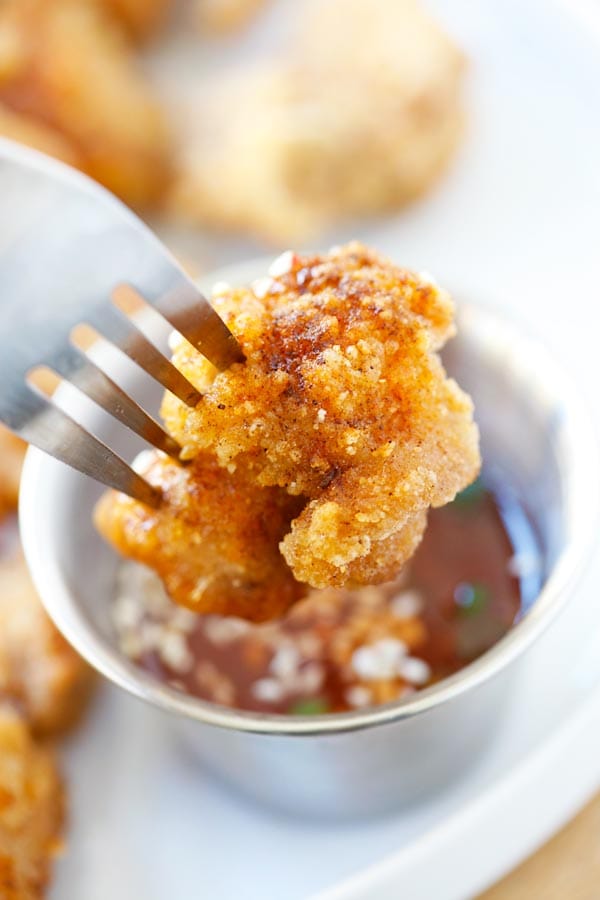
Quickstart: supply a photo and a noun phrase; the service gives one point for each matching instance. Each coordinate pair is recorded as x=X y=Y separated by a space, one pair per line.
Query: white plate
x=520 y=214
x=147 y=822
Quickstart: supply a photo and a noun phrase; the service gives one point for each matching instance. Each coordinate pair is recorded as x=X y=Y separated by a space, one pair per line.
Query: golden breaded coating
x=31 y=811
x=142 y=18
x=344 y=401
x=342 y=404
x=38 y=668
x=214 y=542
x=12 y=451
x=360 y=116
x=225 y=16
x=66 y=67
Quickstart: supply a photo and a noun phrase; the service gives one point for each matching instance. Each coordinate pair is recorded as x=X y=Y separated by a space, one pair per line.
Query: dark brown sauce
x=461 y=593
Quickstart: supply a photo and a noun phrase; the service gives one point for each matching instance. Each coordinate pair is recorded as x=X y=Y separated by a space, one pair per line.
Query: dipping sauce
x=473 y=575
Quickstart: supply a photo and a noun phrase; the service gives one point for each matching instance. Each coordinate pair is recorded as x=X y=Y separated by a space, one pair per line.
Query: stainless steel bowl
x=534 y=433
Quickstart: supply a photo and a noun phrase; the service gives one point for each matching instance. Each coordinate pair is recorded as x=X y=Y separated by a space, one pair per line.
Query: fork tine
x=117 y=328
x=190 y=313
x=77 y=368
x=53 y=431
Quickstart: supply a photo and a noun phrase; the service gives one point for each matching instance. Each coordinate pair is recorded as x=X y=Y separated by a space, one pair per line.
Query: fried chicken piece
x=225 y=16
x=38 y=668
x=360 y=116
x=342 y=401
x=214 y=541
x=31 y=810
x=142 y=18
x=35 y=134
x=12 y=450
x=68 y=75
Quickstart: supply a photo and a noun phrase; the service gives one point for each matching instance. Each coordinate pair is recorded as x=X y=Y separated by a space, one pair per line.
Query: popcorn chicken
x=31 y=810
x=38 y=668
x=69 y=86
x=342 y=403
x=359 y=116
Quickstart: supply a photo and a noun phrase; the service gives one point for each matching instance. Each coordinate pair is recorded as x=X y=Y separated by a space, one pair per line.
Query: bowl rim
x=583 y=498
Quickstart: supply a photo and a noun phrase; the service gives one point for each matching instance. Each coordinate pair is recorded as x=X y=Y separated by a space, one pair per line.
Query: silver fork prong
x=73 y=365
x=121 y=331
x=190 y=313
x=50 y=429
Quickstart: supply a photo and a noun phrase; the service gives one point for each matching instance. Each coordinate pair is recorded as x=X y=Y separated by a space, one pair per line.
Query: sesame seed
x=407 y=605
x=285 y=662
x=310 y=678
x=128 y=611
x=225 y=630
x=183 y=619
x=131 y=645
x=380 y=660
x=358 y=696
x=321 y=415
x=268 y=690
x=151 y=635
x=414 y=670
x=174 y=652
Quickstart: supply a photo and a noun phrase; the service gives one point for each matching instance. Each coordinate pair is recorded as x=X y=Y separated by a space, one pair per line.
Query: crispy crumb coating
x=343 y=400
x=38 y=668
x=31 y=810
x=67 y=73
x=360 y=115
x=333 y=438
x=214 y=541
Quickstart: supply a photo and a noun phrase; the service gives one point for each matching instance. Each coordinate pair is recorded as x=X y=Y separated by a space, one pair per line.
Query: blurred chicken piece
x=31 y=810
x=35 y=134
x=142 y=18
x=67 y=74
x=38 y=668
x=361 y=116
x=225 y=16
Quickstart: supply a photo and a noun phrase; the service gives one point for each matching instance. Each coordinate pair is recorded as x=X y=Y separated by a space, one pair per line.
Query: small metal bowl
x=534 y=434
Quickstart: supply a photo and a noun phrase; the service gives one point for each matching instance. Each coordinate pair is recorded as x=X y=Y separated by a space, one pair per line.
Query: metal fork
x=66 y=246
